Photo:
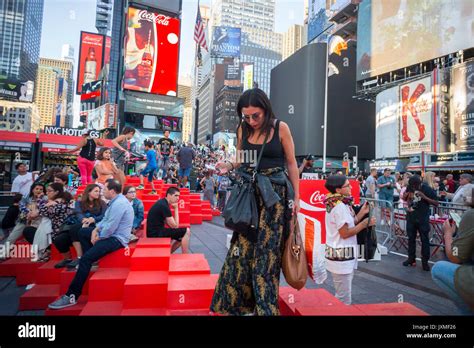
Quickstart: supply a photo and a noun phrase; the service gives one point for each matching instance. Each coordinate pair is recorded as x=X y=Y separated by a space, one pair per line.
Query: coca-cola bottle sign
x=154 y=17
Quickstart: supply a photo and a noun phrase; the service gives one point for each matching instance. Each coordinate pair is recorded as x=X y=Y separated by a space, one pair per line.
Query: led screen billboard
x=91 y=55
x=151 y=52
x=393 y=34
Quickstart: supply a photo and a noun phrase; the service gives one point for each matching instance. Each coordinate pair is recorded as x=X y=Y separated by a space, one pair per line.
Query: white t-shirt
x=340 y=215
x=22 y=184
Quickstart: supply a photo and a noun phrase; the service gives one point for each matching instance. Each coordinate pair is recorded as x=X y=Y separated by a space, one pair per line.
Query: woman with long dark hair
x=249 y=280
x=86 y=158
x=88 y=211
x=120 y=151
x=342 y=227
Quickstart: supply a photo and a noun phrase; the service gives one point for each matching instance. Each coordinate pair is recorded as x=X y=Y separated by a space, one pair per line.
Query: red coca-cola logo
x=154 y=17
x=317 y=198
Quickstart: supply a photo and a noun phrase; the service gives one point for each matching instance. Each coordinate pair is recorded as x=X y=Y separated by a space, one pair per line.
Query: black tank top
x=273 y=155
x=88 y=150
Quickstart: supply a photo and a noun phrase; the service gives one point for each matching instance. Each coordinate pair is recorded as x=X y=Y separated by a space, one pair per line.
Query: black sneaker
x=425 y=266
x=73 y=264
x=63 y=263
x=409 y=262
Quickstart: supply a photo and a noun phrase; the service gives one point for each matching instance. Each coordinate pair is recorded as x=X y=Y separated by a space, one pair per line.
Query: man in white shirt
x=464 y=190
x=24 y=180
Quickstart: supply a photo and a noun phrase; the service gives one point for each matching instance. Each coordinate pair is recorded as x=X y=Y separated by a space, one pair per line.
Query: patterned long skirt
x=250 y=277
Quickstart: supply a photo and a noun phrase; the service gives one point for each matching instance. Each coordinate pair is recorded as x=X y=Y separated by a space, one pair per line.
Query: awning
x=17 y=139
x=54 y=142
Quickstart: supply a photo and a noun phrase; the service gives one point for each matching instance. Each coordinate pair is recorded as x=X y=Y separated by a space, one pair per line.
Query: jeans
x=85 y=169
x=93 y=254
x=385 y=197
x=222 y=195
x=209 y=196
x=443 y=275
x=85 y=235
x=414 y=224
x=343 y=286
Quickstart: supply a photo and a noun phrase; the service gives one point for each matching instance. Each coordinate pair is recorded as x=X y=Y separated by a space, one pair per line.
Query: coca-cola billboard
x=151 y=52
x=91 y=55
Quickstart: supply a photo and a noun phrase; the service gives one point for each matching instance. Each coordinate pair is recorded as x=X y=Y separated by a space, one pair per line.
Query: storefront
x=443 y=163
x=15 y=147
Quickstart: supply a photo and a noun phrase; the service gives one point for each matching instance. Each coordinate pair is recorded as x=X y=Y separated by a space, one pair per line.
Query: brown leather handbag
x=294 y=264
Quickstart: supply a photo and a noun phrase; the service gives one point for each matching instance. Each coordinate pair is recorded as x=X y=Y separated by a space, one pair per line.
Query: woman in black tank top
x=248 y=284
x=86 y=158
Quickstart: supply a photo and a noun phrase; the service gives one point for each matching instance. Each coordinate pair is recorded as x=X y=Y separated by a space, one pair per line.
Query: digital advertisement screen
x=90 y=58
x=151 y=52
x=226 y=42
x=393 y=34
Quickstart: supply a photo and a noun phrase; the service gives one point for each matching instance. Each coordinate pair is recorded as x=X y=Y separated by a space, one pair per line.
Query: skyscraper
x=293 y=40
x=20 y=39
x=103 y=16
x=67 y=53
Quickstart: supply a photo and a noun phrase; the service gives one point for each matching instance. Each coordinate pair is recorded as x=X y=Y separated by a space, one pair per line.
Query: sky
x=64 y=19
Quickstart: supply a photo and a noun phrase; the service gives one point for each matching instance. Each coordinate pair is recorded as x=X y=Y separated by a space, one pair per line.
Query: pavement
x=374 y=282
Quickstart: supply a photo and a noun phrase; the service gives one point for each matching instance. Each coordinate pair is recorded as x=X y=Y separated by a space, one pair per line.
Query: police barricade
x=384 y=213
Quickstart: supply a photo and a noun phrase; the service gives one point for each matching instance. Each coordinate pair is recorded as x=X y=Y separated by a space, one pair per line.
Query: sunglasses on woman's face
x=254 y=117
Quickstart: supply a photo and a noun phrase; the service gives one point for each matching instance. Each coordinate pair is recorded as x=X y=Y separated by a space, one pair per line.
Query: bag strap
x=261 y=151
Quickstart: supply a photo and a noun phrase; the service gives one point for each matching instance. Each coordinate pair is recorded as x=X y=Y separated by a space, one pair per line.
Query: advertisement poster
x=394 y=34
x=90 y=59
x=416 y=113
x=318 y=19
x=386 y=123
x=226 y=42
x=108 y=45
x=248 y=76
x=312 y=223
x=16 y=90
x=151 y=52
x=462 y=107
x=232 y=70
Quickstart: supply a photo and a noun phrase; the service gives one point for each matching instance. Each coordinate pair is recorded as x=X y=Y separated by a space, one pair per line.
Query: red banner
x=312 y=223
x=151 y=52
x=90 y=59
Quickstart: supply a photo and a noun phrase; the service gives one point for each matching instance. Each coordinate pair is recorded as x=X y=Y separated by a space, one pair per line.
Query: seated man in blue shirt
x=150 y=167
x=111 y=234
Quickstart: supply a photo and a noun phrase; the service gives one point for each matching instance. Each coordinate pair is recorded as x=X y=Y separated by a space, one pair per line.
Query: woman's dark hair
x=127 y=188
x=86 y=203
x=414 y=183
x=257 y=98
x=49 y=175
x=100 y=155
x=66 y=196
x=127 y=130
x=334 y=182
x=62 y=176
x=17 y=198
x=34 y=186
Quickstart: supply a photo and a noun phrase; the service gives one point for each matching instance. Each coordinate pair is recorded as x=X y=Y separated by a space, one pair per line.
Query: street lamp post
x=357 y=156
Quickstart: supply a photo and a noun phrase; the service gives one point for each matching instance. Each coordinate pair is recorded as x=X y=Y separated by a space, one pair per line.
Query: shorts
x=184 y=172
x=150 y=172
x=173 y=233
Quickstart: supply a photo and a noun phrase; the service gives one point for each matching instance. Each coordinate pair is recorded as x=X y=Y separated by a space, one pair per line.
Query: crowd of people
x=108 y=216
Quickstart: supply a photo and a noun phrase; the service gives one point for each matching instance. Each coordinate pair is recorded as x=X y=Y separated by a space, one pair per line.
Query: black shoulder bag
x=241 y=212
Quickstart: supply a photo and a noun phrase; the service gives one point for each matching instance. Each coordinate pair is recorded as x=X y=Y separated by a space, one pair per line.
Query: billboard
x=154 y=122
x=102 y=117
x=399 y=33
x=386 y=123
x=318 y=19
x=232 y=70
x=151 y=52
x=173 y=6
x=226 y=42
x=15 y=90
x=142 y=103
x=416 y=116
x=248 y=76
x=91 y=55
x=462 y=107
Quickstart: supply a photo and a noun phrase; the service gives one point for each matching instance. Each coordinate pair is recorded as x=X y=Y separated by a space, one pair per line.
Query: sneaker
x=63 y=263
x=133 y=238
x=153 y=192
x=141 y=187
x=409 y=263
x=63 y=302
x=73 y=264
x=425 y=266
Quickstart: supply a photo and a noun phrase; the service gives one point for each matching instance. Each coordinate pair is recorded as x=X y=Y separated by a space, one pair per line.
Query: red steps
x=289 y=299
x=47 y=274
x=25 y=271
x=145 y=312
x=118 y=259
x=154 y=243
x=107 y=284
x=39 y=297
x=189 y=264
x=150 y=259
x=145 y=289
x=190 y=312
x=66 y=278
x=329 y=311
x=389 y=309
x=102 y=308
x=191 y=291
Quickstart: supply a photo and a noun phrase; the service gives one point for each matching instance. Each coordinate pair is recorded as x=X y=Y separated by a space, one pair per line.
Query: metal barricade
x=383 y=212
